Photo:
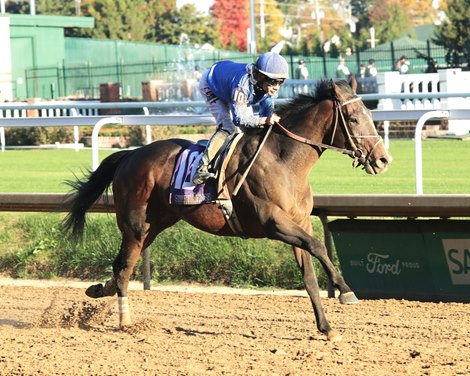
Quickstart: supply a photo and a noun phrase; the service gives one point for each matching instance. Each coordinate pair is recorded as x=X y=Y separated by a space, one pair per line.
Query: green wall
x=38 y=41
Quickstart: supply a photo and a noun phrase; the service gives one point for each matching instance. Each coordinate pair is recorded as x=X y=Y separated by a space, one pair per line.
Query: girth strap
x=231 y=217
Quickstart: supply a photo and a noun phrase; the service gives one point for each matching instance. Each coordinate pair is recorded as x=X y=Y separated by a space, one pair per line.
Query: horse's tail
x=85 y=192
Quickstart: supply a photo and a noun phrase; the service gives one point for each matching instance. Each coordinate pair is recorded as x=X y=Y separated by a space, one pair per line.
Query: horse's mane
x=324 y=89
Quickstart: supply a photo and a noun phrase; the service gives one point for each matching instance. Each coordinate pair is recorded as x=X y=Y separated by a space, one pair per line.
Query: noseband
x=359 y=156
x=355 y=152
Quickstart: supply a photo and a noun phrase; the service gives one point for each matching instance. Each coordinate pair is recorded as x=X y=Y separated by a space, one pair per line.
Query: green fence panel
x=91 y=62
x=425 y=260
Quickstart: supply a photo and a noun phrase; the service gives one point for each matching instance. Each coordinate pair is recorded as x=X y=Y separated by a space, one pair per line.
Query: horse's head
x=358 y=134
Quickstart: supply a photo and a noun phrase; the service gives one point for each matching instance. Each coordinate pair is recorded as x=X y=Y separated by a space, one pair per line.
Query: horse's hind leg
x=123 y=266
x=136 y=235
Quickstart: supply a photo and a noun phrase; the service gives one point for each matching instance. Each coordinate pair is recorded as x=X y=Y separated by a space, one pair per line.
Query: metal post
x=2 y=138
x=418 y=147
x=148 y=129
x=64 y=78
x=146 y=268
x=252 y=27
x=76 y=135
x=328 y=240
x=387 y=134
x=94 y=138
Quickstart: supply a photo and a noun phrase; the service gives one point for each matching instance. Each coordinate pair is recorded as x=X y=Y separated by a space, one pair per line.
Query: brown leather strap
x=303 y=140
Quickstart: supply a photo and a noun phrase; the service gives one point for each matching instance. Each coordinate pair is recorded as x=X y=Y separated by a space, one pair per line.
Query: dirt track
x=59 y=331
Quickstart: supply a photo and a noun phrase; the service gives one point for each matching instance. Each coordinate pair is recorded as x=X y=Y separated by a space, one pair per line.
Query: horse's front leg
x=284 y=229
x=304 y=261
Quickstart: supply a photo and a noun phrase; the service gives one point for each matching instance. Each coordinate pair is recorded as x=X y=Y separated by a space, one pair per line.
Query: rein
x=355 y=152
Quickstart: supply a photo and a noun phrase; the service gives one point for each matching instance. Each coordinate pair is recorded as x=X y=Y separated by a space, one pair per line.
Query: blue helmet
x=272 y=65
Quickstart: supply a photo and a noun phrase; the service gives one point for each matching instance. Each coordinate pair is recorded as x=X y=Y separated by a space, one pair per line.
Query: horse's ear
x=337 y=90
x=352 y=82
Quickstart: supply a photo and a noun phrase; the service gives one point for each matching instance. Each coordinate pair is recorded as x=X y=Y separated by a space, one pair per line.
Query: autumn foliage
x=233 y=19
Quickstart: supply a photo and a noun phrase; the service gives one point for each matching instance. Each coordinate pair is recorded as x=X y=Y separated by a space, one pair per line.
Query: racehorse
x=274 y=201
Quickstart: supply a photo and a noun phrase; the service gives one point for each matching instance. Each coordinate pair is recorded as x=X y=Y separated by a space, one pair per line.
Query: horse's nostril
x=382 y=162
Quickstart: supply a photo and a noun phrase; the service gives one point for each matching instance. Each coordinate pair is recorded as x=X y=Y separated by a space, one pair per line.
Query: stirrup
x=203 y=176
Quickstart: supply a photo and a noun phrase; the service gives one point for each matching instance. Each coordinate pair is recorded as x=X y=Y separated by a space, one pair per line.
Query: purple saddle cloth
x=182 y=189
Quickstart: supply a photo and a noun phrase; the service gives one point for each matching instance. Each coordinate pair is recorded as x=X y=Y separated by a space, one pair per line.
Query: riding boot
x=203 y=172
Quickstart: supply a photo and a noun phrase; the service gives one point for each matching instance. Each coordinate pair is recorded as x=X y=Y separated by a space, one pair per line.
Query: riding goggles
x=274 y=81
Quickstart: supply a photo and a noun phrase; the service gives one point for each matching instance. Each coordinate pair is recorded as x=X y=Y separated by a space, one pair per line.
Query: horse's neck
x=314 y=127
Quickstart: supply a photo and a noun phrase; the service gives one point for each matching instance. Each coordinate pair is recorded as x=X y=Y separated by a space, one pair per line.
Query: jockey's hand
x=270 y=120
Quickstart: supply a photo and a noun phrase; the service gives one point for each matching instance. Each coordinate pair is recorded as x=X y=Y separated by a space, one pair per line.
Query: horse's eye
x=353 y=121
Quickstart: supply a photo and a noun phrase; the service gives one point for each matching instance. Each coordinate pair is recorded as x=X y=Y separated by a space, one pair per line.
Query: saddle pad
x=182 y=189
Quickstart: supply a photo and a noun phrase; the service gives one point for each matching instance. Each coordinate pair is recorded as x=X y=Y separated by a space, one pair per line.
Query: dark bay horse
x=275 y=201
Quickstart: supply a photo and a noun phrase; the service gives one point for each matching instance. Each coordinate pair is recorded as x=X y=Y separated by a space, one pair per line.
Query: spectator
x=432 y=66
x=397 y=65
x=371 y=70
x=301 y=73
x=404 y=65
x=197 y=73
x=362 y=71
x=342 y=71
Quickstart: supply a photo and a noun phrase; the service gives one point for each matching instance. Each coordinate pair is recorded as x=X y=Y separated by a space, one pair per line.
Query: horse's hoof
x=348 y=298
x=334 y=337
x=125 y=322
x=95 y=291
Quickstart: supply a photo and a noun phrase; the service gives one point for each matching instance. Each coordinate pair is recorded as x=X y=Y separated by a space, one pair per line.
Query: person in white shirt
x=404 y=65
x=301 y=73
x=371 y=70
x=342 y=71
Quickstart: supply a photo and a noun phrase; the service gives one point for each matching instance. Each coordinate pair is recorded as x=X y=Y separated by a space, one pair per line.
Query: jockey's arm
x=243 y=115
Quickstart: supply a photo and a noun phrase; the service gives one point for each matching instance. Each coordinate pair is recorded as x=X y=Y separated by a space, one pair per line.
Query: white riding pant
x=217 y=107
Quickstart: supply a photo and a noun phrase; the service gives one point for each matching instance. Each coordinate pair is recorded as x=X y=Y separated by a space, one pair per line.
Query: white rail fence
x=75 y=115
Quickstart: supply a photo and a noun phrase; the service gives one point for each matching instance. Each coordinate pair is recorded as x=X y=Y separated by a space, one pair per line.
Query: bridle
x=355 y=152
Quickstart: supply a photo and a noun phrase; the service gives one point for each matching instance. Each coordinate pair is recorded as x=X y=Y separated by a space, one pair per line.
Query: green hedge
x=32 y=246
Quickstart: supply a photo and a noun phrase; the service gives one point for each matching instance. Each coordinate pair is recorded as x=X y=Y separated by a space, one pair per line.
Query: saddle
x=184 y=192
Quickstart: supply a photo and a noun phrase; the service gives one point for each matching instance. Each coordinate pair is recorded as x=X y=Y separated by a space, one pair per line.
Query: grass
x=445 y=170
x=40 y=170
x=31 y=244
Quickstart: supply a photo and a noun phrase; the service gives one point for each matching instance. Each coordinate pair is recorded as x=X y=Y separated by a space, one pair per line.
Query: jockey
x=230 y=90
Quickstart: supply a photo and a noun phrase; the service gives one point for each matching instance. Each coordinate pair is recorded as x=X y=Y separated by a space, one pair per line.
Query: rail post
x=94 y=138
x=418 y=145
x=146 y=275
x=328 y=240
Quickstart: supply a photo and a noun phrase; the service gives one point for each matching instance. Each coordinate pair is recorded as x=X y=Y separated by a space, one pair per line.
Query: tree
x=232 y=21
x=52 y=7
x=390 y=20
x=56 y=7
x=273 y=22
x=170 y=25
x=453 y=33
x=118 y=19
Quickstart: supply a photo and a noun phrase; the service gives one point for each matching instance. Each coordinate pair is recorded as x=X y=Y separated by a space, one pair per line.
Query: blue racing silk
x=232 y=83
